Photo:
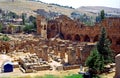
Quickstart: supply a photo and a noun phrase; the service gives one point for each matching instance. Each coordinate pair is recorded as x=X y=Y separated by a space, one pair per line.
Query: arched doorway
x=77 y=37
x=69 y=37
x=118 y=42
x=96 y=38
x=86 y=38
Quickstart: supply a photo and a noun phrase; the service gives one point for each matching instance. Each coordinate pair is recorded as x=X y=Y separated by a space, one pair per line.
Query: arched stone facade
x=96 y=38
x=69 y=37
x=77 y=38
x=76 y=31
x=118 y=41
x=86 y=38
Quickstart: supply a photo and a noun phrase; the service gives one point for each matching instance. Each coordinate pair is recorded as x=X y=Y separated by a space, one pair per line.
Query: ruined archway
x=96 y=38
x=77 y=37
x=86 y=38
x=69 y=37
x=118 y=42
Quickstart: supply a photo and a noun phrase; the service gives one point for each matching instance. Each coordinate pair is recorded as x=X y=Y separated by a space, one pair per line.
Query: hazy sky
x=78 y=3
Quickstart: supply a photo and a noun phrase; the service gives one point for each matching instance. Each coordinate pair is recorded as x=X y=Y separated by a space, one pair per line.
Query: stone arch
x=86 y=38
x=77 y=37
x=118 y=41
x=96 y=38
x=69 y=37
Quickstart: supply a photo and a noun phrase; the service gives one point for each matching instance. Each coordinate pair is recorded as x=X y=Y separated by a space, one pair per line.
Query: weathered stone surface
x=4 y=46
x=117 y=61
x=76 y=31
x=71 y=55
x=44 y=52
x=42 y=25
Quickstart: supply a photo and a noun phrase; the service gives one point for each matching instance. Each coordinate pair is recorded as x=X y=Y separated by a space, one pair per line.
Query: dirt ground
x=18 y=73
x=110 y=75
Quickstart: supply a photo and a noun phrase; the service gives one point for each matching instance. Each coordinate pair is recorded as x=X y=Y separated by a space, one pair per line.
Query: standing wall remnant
x=117 y=61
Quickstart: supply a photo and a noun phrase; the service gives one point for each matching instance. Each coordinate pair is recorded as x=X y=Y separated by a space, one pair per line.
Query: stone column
x=39 y=53
x=78 y=52
x=44 y=52
x=32 y=49
x=62 y=51
x=50 y=49
x=71 y=56
x=55 y=50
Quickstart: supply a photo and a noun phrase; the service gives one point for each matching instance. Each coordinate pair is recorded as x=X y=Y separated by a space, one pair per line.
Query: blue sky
x=78 y=3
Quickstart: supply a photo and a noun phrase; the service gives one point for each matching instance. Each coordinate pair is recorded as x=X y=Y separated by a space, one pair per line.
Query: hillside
x=97 y=9
x=30 y=6
x=20 y=6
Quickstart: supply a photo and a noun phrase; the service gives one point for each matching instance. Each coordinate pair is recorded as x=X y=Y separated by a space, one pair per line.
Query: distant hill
x=25 y=6
x=31 y=8
x=97 y=9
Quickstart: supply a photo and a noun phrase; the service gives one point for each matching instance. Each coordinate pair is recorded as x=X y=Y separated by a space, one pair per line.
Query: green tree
x=0 y=27
x=12 y=15
x=102 y=14
x=32 y=19
x=100 y=55
x=95 y=62
x=28 y=28
x=23 y=18
x=103 y=47
x=5 y=38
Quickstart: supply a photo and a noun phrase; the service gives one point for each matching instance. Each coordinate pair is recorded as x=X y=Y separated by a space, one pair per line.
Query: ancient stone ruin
x=69 y=29
x=40 y=53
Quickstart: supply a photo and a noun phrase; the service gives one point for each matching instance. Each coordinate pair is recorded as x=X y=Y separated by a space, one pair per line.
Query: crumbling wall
x=77 y=31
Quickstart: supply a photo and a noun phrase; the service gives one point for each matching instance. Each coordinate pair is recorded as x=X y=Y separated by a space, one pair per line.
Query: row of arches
x=78 y=38
x=85 y=38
